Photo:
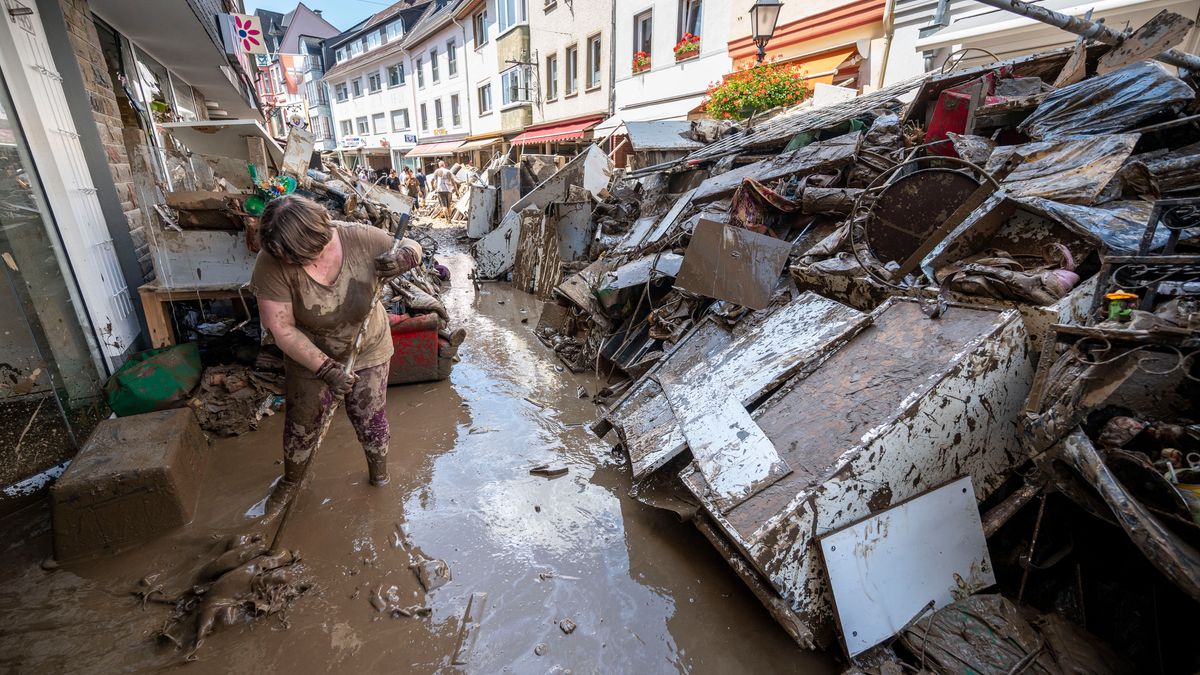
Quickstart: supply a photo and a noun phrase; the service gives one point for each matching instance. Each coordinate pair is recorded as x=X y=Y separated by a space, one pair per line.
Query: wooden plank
x=157 y=320
x=1160 y=33
x=298 y=154
x=1075 y=68
x=735 y=457
x=256 y=150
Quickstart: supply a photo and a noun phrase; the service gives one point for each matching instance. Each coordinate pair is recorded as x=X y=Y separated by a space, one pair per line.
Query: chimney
x=317 y=11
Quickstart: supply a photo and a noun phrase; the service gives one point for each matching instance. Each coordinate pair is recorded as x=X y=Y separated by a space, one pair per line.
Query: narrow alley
x=646 y=595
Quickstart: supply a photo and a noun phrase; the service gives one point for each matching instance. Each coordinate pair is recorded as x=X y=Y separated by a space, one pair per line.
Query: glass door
x=50 y=388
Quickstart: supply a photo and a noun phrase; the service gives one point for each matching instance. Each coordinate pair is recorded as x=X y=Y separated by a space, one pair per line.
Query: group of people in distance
x=441 y=182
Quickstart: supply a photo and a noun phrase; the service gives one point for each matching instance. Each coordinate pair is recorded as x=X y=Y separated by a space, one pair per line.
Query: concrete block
x=135 y=478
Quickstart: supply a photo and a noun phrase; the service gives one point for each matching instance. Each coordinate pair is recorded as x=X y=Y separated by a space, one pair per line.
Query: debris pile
x=831 y=314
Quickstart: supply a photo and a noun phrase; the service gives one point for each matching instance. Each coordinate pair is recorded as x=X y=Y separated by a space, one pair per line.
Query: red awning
x=559 y=132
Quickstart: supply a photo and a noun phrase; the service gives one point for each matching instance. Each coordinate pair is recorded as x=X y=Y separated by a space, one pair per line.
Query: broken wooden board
x=298 y=154
x=225 y=138
x=573 y=222
x=886 y=570
x=200 y=258
x=829 y=155
x=1162 y=32
x=481 y=213
x=736 y=459
x=469 y=631
x=537 y=268
x=732 y=264
x=1075 y=69
x=761 y=352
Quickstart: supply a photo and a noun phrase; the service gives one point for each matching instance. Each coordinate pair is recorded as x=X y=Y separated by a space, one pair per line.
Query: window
x=514 y=86
x=485 y=99
x=643 y=25
x=439 y=120
x=378 y=122
x=340 y=55
x=395 y=75
x=315 y=92
x=341 y=92
x=374 y=83
x=374 y=39
x=690 y=16
x=552 y=77
x=347 y=128
x=455 y=118
x=400 y=119
x=356 y=87
x=593 y=62
x=424 y=118
x=394 y=30
x=420 y=67
x=571 y=69
x=433 y=65
x=356 y=48
x=511 y=13
x=451 y=59
x=363 y=129
x=479 y=28
x=322 y=129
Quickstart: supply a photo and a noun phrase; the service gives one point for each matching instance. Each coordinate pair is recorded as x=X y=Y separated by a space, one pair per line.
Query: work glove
x=336 y=378
x=399 y=260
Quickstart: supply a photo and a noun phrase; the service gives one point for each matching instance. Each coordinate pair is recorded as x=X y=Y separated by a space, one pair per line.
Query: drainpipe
x=466 y=75
x=889 y=29
x=612 y=61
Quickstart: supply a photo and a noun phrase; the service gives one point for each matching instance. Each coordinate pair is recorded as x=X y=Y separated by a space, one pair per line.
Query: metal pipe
x=1089 y=29
x=889 y=31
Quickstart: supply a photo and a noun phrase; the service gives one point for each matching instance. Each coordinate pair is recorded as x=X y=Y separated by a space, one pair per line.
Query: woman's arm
x=278 y=319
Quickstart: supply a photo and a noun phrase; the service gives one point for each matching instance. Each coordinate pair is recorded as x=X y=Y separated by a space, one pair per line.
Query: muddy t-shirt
x=330 y=316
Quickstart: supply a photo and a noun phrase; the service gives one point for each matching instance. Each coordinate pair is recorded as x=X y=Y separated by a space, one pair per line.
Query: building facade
x=442 y=116
x=370 y=88
x=834 y=42
x=482 y=68
x=651 y=83
x=571 y=46
x=289 y=78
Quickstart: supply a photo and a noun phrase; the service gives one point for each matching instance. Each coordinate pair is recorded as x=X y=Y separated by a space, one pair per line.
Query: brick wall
x=82 y=33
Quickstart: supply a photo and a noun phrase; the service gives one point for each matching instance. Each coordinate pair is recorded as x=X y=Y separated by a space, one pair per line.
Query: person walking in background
x=445 y=185
x=409 y=181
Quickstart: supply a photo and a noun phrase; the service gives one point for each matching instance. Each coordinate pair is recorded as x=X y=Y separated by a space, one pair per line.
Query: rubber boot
x=285 y=489
x=377 y=469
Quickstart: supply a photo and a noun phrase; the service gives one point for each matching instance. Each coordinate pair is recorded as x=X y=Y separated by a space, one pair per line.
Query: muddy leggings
x=309 y=403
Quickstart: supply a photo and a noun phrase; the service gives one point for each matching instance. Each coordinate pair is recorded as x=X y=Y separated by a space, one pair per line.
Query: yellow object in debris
x=1120 y=295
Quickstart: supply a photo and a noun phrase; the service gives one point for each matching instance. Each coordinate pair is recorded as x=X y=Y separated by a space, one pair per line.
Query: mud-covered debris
x=377 y=600
x=541 y=649
x=431 y=573
x=582 y=392
x=549 y=472
x=567 y=626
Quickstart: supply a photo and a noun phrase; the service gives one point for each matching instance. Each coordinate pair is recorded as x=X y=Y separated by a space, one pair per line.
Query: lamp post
x=763 y=16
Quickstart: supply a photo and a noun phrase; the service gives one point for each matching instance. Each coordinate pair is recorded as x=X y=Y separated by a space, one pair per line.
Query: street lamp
x=763 y=16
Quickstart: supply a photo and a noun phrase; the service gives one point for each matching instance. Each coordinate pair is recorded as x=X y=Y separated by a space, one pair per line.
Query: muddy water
x=648 y=594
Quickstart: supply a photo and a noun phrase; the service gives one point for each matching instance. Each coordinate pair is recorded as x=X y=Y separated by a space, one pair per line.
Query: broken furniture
x=814 y=416
x=156 y=304
x=1107 y=421
x=136 y=477
x=417 y=350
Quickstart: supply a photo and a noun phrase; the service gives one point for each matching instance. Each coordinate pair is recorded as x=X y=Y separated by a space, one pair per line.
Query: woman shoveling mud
x=315 y=281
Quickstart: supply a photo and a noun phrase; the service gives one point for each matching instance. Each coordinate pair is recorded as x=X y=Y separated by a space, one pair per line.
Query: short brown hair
x=294 y=229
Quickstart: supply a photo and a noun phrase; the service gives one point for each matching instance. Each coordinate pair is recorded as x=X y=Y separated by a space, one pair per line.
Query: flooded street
x=648 y=593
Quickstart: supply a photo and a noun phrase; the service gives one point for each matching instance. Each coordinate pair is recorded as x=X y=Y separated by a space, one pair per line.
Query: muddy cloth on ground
x=233 y=399
x=331 y=315
x=997 y=274
x=309 y=402
x=1111 y=103
x=1074 y=170
x=988 y=634
x=155 y=379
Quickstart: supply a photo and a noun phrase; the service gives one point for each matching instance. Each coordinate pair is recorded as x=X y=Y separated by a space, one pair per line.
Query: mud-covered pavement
x=647 y=593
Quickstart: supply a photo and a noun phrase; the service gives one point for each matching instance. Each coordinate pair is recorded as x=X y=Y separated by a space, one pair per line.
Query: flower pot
x=687 y=55
x=640 y=68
